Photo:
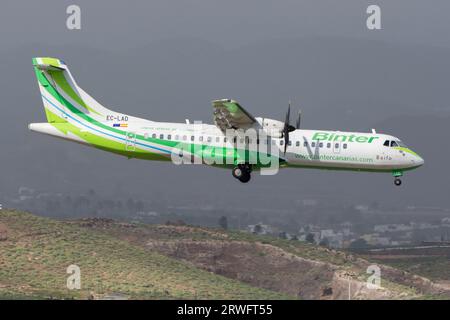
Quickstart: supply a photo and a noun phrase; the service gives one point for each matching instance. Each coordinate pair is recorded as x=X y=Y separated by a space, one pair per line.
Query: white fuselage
x=340 y=150
x=333 y=149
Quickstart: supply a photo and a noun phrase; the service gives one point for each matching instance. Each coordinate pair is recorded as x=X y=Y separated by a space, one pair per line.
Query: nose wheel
x=397 y=175
x=242 y=172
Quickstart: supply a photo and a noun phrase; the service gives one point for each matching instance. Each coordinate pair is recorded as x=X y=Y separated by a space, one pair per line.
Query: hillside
x=36 y=251
x=431 y=261
x=140 y=261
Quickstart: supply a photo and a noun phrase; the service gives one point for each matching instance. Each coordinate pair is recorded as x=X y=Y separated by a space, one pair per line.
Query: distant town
x=314 y=220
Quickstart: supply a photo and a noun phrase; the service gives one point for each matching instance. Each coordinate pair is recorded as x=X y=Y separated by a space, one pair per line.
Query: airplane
x=74 y=115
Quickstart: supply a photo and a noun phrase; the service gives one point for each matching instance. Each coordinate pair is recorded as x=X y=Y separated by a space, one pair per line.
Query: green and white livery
x=236 y=140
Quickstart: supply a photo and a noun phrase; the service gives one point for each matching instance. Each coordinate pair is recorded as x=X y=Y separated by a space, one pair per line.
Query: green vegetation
x=37 y=251
x=432 y=267
x=177 y=261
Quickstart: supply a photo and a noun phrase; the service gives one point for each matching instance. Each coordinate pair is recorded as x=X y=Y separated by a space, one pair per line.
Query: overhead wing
x=228 y=114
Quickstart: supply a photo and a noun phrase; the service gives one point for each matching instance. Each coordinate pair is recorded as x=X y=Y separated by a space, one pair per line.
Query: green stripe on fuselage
x=106 y=144
x=407 y=150
x=204 y=151
x=61 y=81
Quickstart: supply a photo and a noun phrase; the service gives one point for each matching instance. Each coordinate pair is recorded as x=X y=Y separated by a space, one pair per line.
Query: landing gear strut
x=242 y=172
x=397 y=175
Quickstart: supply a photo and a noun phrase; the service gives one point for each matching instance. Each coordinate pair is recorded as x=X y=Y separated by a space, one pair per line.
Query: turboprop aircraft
x=237 y=140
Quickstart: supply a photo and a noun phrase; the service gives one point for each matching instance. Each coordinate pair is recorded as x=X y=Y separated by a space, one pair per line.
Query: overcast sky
x=116 y=24
x=166 y=60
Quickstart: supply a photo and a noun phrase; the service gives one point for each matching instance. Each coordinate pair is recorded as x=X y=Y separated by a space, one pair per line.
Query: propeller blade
x=288 y=113
x=287 y=128
x=286 y=141
x=299 y=119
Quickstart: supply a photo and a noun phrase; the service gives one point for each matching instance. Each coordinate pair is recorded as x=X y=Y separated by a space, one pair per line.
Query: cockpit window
x=394 y=143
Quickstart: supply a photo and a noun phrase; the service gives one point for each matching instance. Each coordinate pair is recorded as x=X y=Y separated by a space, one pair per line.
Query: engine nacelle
x=272 y=127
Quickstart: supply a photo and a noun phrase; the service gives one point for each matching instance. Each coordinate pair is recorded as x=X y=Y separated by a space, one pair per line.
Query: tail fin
x=60 y=93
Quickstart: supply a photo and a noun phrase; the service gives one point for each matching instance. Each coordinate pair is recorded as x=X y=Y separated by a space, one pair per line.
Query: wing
x=228 y=114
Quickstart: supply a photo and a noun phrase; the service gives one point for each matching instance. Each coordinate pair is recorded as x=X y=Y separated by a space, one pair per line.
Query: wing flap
x=228 y=114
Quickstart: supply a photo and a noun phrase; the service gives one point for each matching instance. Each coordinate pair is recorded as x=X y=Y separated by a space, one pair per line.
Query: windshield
x=394 y=143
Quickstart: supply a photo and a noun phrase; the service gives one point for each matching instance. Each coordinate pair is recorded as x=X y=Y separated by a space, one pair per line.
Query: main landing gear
x=242 y=172
x=397 y=175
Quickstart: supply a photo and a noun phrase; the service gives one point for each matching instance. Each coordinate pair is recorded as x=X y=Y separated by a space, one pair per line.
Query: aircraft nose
x=420 y=161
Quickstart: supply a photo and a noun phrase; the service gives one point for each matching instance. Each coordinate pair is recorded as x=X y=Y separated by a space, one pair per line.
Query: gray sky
x=116 y=24
x=166 y=60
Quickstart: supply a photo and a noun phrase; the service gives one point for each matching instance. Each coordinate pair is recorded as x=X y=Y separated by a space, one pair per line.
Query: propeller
x=299 y=119
x=287 y=128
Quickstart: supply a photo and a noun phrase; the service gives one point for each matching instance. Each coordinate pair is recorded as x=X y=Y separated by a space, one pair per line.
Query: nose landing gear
x=397 y=175
x=242 y=172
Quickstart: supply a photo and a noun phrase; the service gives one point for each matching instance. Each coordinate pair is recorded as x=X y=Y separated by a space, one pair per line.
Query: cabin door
x=130 y=143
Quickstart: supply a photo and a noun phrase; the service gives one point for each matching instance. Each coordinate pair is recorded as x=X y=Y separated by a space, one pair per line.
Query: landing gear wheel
x=237 y=172
x=242 y=173
x=245 y=178
x=397 y=181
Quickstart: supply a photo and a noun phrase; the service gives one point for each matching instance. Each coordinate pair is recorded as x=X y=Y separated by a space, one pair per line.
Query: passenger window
x=313 y=144
x=321 y=145
x=297 y=144
x=154 y=136
x=161 y=136
x=290 y=143
x=281 y=142
x=344 y=146
x=208 y=139
x=328 y=145
x=169 y=137
x=200 y=138
x=336 y=145
x=225 y=139
x=394 y=144
x=217 y=139
x=192 y=138
x=305 y=144
x=386 y=143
